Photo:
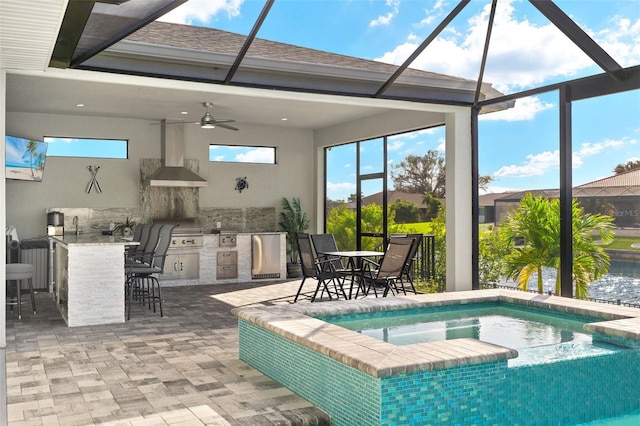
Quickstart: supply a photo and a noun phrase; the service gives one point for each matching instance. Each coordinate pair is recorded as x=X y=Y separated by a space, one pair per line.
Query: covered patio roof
x=124 y=37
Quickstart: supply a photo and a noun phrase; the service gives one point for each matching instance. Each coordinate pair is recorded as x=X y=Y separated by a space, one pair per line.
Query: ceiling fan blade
x=225 y=126
x=174 y=122
x=223 y=121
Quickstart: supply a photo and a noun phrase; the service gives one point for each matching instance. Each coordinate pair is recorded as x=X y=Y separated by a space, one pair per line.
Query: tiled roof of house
x=630 y=178
x=218 y=41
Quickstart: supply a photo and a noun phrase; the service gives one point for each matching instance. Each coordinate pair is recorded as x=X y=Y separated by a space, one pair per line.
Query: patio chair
x=142 y=283
x=407 y=272
x=388 y=273
x=323 y=271
x=323 y=243
x=141 y=236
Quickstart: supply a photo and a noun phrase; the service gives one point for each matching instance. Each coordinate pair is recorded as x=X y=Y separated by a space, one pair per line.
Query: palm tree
x=32 y=147
x=293 y=220
x=536 y=222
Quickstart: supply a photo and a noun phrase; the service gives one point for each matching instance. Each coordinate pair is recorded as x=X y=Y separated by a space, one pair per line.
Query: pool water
x=538 y=336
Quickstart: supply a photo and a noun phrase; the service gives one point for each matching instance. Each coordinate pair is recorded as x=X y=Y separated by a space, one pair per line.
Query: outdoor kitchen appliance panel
x=183 y=255
x=265 y=256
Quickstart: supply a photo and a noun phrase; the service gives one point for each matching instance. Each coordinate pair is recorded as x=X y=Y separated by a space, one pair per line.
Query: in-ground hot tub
x=362 y=380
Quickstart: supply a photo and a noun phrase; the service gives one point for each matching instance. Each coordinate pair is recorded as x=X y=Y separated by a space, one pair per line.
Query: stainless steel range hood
x=173 y=173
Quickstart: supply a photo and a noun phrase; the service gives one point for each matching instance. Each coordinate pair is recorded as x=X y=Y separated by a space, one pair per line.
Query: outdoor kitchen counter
x=88 y=278
x=210 y=252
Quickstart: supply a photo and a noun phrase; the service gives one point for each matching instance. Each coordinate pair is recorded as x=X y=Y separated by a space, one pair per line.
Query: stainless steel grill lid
x=184 y=226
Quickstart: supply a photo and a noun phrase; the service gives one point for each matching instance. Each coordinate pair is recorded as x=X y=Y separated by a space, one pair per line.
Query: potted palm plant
x=125 y=228
x=292 y=221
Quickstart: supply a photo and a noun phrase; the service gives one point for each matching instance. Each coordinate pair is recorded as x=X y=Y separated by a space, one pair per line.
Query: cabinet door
x=188 y=265
x=181 y=266
x=171 y=267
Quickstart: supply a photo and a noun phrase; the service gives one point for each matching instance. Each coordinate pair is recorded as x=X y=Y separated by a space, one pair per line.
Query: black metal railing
x=424 y=263
x=550 y=293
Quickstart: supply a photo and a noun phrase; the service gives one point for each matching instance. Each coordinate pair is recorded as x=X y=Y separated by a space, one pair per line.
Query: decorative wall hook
x=94 y=181
x=241 y=183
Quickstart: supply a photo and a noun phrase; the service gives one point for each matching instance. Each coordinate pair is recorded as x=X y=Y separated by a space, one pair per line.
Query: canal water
x=622 y=283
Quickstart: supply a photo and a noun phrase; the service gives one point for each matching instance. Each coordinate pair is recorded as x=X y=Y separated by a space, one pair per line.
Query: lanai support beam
x=581 y=39
x=566 y=194
x=458 y=187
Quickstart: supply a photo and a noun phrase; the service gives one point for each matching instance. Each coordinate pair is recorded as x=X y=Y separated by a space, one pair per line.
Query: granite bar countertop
x=91 y=239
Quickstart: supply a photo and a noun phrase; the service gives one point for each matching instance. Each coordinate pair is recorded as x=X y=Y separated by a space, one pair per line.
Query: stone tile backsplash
x=248 y=219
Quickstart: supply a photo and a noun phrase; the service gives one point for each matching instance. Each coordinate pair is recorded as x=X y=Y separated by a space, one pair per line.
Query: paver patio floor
x=182 y=369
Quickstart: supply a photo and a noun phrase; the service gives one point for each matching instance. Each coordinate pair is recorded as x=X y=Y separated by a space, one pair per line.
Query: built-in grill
x=187 y=232
x=183 y=255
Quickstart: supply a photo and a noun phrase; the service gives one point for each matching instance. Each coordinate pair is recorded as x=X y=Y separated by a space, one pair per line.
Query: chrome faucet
x=75 y=222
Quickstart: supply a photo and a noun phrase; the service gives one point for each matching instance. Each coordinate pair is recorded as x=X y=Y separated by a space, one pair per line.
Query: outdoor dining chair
x=325 y=243
x=388 y=273
x=321 y=270
x=142 y=283
x=408 y=272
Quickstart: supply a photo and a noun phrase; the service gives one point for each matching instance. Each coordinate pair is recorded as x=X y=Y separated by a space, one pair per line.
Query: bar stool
x=18 y=272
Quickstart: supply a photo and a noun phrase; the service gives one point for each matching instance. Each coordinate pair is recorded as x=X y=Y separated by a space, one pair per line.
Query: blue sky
x=519 y=147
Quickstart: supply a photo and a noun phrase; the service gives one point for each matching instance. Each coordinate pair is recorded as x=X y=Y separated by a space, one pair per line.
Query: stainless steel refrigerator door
x=265 y=256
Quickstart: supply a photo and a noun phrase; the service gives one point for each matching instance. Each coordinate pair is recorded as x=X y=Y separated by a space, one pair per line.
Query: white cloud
x=341 y=186
x=386 y=19
x=256 y=156
x=395 y=145
x=202 y=11
x=539 y=164
x=621 y=40
x=441 y=145
x=497 y=190
x=524 y=109
x=432 y=14
x=382 y=20
x=536 y=165
x=522 y=54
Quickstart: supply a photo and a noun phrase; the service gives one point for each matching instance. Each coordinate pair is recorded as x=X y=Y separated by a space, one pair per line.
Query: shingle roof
x=630 y=178
x=218 y=41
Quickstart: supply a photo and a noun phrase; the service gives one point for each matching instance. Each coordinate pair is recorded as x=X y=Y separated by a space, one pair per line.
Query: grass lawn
x=624 y=243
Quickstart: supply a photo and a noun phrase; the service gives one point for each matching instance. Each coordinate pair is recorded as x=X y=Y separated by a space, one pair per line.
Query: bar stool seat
x=16 y=272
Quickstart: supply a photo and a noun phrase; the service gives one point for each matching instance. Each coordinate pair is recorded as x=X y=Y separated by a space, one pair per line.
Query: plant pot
x=294 y=270
x=127 y=232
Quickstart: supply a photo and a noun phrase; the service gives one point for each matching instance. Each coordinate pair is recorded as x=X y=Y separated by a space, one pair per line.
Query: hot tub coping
x=297 y=322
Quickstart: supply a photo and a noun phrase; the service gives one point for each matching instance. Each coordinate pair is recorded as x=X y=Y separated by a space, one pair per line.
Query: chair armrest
x=368 y=262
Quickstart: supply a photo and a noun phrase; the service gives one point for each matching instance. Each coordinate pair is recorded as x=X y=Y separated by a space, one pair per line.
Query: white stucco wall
x=65 y=179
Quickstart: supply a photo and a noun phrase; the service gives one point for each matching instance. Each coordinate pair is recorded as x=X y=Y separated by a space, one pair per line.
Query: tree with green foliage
x=420 y=174
x=341 y=222
x=433 y=205
x=32 y=147
x=536 y=222
x=425 y=175
x=491 y=253
x=293 y=220
x=405 y=211
x=438 y=230
x=627 y=167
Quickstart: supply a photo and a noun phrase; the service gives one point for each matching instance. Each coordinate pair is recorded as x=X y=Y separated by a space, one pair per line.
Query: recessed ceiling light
x=79 y=105
x=284 y=119
x=184 y=112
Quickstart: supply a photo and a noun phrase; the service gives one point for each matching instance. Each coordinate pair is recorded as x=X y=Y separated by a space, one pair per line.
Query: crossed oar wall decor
x=94 y=180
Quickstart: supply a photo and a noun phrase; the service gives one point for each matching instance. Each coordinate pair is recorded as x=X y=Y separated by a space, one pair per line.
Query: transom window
x=242 y=154
x=87 y=147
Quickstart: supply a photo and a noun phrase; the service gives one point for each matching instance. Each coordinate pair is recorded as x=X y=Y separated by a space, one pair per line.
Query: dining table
x=354 y=264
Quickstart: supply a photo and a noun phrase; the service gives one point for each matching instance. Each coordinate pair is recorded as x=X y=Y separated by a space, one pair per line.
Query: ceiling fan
x=207 y=121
